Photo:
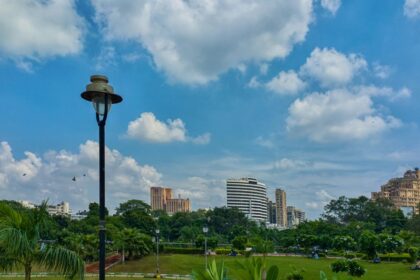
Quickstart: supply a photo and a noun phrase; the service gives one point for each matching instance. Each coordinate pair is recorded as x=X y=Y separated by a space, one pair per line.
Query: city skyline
x=324 y=104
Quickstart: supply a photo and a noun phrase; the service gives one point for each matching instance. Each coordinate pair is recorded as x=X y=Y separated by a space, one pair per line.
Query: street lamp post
x=205 y=230
x=157 y=252
x=102 y=96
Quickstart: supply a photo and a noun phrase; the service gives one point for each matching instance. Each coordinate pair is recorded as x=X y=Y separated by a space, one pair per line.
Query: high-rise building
x=295 y=216
x=159 y=197
x=249 y=196
x=175 y=205
x=281 y=210
x=403 y=192
x=272 y=212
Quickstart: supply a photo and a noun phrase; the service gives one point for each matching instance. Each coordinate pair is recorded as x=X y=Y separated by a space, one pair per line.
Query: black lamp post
x=102 y=96
x=157 y=253
x=205 y=230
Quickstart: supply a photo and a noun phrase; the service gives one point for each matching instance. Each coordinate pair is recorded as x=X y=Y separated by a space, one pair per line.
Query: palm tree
x=20 y=244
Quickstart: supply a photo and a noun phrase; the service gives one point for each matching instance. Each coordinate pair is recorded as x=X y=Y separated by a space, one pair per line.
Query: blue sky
x=317 y=97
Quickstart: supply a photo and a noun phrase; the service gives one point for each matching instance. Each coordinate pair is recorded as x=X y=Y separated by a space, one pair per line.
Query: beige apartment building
x=176 y=205
x=161 y=199
x=281 y=208
x=403 y=192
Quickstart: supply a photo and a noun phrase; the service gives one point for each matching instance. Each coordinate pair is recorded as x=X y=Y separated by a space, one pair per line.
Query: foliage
x=369 y=243
x=135 y=243
x=344 y=243
x=295 y=274
x=255 y=269
x=414 y=253
x=21 y=244
x=213 y=272
x=349 y=266
x=239 y=242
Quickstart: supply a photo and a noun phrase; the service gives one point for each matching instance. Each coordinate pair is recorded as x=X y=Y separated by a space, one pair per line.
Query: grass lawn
x=184 y=264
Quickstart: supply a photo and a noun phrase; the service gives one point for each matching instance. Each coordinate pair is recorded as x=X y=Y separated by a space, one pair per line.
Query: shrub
x=395 y=257
x=223 y=251
x=413 y=252
x=174 y=250
x=349 y=266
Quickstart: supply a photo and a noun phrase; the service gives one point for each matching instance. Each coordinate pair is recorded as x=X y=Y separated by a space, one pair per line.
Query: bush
x=223 y=251
x=395 y=257
x=350 y=255
x=349 y=266
x=174 y=250
x=414 y=253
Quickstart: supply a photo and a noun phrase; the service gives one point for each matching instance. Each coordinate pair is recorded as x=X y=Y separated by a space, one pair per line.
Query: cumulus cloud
x=331 y=5
x=388 y=92
x=332 y=68
x=381 y=71
x=148 y=128
x=412 y=8
x=286 y=83
x=194 y=42
x=37 y=178
x=36 y=29
x=337 y=115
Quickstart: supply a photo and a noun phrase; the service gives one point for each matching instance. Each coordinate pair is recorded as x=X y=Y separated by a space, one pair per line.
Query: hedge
x=174 y=250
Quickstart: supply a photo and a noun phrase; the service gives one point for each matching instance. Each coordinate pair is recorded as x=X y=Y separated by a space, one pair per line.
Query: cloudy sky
x=317 y=97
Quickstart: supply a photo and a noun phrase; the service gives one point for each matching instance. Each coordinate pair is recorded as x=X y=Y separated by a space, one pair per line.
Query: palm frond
x=15 y=242
x=9 y=217
x=63 y=261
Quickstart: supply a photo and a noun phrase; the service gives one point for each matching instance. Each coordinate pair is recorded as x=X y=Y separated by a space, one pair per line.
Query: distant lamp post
x=157 y=253
x=205 y=230
x=102 y=96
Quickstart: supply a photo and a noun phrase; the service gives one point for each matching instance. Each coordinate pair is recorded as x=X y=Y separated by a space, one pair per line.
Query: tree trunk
x=28 y=270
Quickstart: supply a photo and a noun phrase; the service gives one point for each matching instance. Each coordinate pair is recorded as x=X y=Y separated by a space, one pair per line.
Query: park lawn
x=185 y=264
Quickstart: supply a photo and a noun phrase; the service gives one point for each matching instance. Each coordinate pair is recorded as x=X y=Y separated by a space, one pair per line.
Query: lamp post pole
x=205 y=230
x=157 y=253
x=102 y=96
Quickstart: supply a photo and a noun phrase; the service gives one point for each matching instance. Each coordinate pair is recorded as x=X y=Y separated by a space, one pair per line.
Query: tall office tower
x=249 y=196
x=281 y=213
x=175 y=205
x=295 y=216
x=272 y=212
x=159 y=196
x=403 y=192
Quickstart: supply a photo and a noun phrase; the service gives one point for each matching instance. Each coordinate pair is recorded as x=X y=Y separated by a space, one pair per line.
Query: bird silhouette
x=24 y=174
x=74 y=179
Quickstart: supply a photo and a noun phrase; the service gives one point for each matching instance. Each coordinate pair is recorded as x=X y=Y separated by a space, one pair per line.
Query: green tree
x=134 y=243
x=20 y=244
x=369 y=243
x=344 y=243
x=239 y=242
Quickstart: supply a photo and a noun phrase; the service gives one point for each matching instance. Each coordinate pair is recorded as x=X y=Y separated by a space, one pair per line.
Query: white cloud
x=286 y=83
x=310 y=166
x=254 y=83
x=331 y=5
x=337 y=115
x=412 y=8
x=148 y=128
x=50 y=176
x=390 y=93
x=36 y=29
x=264 y=68
x=332 y=68
x=194 y=42
x=202 y=139
x=381 y=71
x=322 y=199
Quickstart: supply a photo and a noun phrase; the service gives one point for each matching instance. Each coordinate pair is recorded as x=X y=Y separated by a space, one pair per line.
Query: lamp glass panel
x=99 y=104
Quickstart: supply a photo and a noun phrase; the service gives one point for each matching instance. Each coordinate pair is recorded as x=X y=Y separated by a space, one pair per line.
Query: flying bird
x=74 y=179
x=24 y=174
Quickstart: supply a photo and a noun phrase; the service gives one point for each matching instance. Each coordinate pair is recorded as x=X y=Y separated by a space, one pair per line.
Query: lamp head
x=97 y=92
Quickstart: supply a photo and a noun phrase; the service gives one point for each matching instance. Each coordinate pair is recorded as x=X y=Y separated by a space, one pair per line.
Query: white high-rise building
x=249 y=196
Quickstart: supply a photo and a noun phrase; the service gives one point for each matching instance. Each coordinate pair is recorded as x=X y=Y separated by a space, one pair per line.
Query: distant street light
x=102 y=96
x=157 y=253
x=205 y=230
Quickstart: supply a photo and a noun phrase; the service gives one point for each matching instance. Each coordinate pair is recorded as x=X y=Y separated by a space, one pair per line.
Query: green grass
x=184 y=264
